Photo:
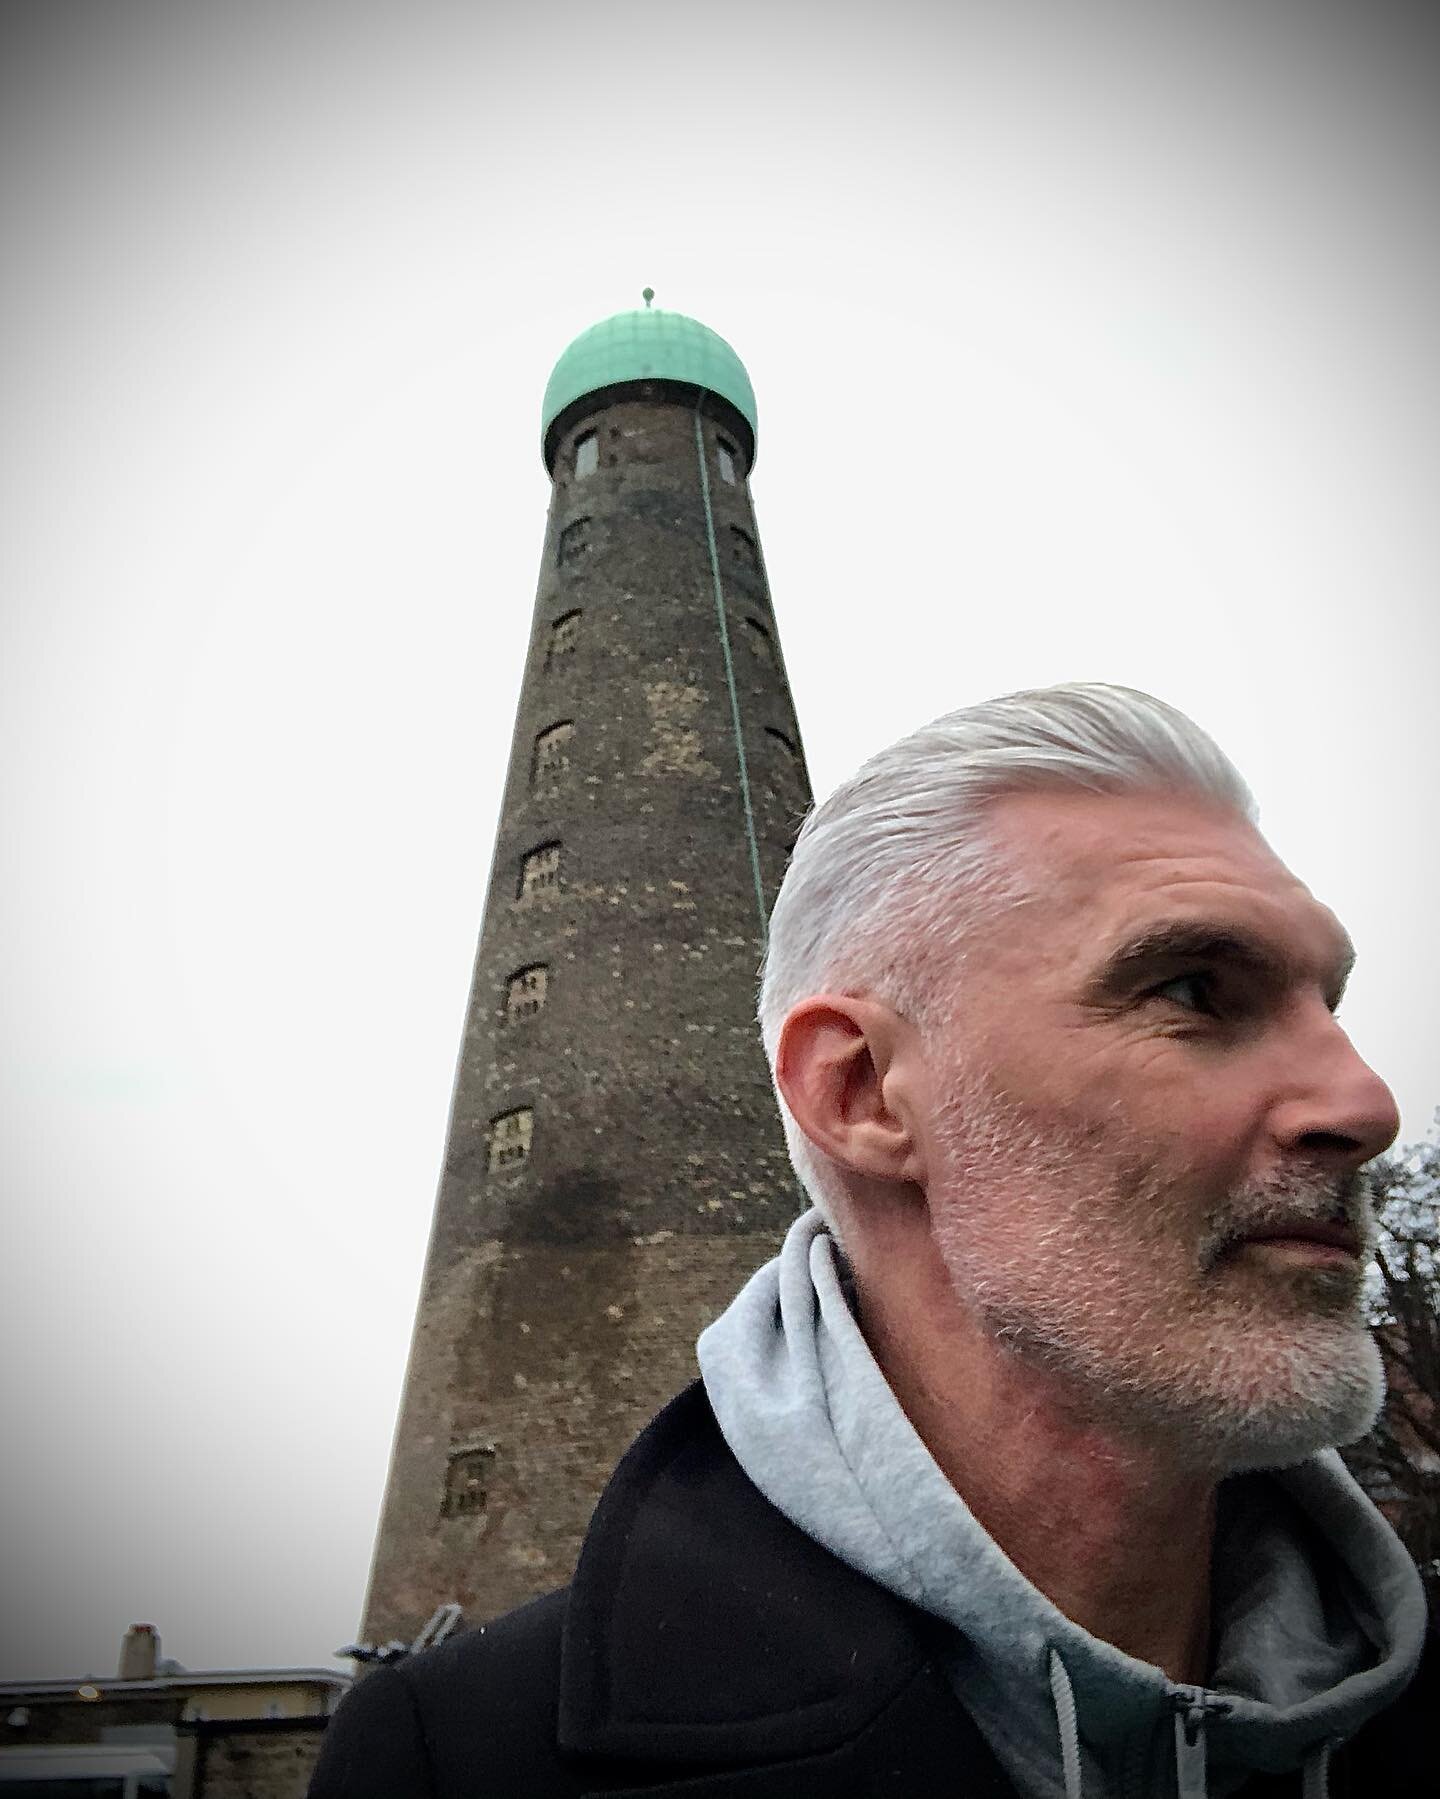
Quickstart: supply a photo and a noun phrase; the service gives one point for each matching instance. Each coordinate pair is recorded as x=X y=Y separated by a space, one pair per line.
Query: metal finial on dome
x=647 y=294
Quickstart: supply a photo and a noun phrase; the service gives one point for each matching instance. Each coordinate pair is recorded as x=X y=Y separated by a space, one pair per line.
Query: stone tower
x=615 y=1166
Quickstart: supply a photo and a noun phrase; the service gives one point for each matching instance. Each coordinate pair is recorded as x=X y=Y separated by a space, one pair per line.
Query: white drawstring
x=1063 y=1695
x=1190 y=1744
x=1315 y=1781
x=1190 y=1782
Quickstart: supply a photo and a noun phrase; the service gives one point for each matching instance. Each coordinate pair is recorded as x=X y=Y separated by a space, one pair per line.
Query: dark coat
x=708 y=1649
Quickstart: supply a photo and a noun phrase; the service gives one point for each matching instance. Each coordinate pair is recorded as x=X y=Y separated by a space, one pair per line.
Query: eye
x=1192 y=992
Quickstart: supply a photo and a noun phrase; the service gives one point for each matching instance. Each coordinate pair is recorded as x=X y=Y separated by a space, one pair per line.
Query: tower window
x=526 y=991
x=742 y=548
x=587 y=455
x=725 y=456
x=510 y=1136
x=467 y=1480
x=574 y=541
x=564 y=634
x=783 y=743
x=758 y=639
x=552 y=753
x=539 y=871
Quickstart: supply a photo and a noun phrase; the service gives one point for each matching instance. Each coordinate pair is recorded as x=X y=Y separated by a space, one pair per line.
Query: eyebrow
x=1197 y=941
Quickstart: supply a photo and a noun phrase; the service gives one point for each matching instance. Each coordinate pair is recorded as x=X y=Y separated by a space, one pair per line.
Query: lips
x=1304 y=1230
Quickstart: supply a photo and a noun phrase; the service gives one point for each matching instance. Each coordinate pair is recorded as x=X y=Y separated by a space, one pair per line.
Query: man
x=1012 y=1474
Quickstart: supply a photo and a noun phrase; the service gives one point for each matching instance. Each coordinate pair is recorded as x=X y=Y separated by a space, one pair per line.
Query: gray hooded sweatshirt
x=1319 y=1615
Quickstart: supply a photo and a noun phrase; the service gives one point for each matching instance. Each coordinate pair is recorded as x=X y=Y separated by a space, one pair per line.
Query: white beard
x=1080 y=1255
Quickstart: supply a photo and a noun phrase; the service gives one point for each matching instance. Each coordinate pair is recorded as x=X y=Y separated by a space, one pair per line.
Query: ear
x=846 y=1068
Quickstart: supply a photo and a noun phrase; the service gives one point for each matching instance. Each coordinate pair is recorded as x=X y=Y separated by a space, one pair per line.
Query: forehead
x=1103 y=865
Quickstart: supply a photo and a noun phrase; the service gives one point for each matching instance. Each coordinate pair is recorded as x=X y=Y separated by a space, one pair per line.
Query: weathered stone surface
x=256 y=1763
x=563 y=1292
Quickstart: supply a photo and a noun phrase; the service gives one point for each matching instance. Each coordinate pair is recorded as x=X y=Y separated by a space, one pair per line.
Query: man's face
x=1147 y=1127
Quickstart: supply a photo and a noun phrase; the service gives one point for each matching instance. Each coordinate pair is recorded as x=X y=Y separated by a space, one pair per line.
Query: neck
x=1113 y=1531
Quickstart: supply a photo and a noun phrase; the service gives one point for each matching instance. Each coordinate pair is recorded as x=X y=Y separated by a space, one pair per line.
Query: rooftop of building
x=646 y=344
x=168 y=1679
x=144 y=1670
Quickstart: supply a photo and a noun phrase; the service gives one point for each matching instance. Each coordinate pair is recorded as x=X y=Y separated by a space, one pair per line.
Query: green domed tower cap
x=646 y=352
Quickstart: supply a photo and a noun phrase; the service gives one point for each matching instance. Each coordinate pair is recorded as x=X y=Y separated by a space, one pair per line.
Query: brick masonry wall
x=263 y=1763
x=563 y=1293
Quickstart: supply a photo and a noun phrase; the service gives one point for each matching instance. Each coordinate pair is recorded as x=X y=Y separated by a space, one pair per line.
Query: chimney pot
x=139 y=1652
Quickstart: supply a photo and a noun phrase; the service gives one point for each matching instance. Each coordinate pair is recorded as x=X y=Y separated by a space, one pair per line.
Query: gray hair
x=892 y=871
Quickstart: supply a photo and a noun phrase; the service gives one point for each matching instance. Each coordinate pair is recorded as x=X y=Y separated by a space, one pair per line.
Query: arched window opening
x=573 y=542
x=587 y=454
x=564 y=635
x=551 y=755
x=467 y=1480
x=526 y=991
x=510 y=1137
x=742 y=548
x=758 y=638
x=539 y=871
x=784 y=745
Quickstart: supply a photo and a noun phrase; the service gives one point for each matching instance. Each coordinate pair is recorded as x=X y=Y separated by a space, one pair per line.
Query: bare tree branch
x=1399 y=1462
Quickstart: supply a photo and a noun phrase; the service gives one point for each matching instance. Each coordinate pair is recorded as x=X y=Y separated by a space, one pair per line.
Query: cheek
x=1087 y=1072
x=1203 y=1146
x=1201 y=1130
x=1219 y=1112
x=1208 y=1104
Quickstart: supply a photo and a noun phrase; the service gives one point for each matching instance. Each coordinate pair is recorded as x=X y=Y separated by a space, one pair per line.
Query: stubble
x=1081 y=1251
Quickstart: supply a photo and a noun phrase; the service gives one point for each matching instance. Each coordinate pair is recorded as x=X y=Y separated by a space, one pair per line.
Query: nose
x=1335 y=1109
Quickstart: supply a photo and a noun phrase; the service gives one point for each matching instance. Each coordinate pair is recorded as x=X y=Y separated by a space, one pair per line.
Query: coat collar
x=704 y=1628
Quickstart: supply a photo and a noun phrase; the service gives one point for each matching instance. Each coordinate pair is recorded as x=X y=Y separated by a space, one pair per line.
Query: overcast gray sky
x=1122 y=317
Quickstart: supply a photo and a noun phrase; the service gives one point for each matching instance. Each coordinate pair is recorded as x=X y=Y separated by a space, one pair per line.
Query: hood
x=1319 y=1612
